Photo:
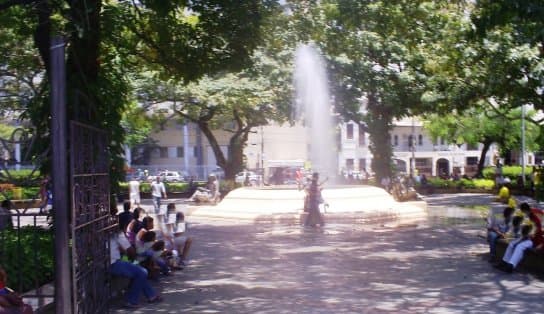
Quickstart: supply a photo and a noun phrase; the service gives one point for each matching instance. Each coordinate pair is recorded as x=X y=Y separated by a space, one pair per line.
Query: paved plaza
x=436 y=266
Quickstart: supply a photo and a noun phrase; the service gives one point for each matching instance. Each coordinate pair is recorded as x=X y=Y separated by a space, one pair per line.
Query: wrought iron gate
x=91 y=222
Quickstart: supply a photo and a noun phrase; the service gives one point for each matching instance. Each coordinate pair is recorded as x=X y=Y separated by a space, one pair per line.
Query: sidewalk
x=437 y=267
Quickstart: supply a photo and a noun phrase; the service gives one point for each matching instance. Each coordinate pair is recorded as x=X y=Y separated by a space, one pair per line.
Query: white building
x=184 y=147
x=428 y=157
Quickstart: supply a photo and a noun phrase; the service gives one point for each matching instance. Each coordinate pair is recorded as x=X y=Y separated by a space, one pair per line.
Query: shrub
x=145 y=187
x=511 y=172
x=464 y=183
x=27 y=256
x=484 y=184
x=28 y=193
x=177 y=187
x=23 y=178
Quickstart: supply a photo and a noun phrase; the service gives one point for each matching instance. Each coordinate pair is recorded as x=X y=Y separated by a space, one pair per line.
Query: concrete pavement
x=436 y=266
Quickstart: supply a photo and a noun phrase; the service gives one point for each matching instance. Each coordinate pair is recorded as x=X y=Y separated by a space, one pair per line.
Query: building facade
x=413 y=148
x=183 y=147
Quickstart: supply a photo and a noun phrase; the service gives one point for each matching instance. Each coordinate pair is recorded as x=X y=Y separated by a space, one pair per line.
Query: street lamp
x=523 y=144
x=413 y=149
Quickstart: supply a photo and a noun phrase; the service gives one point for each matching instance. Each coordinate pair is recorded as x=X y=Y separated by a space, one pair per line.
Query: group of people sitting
x=524 y=228
x=142 y=249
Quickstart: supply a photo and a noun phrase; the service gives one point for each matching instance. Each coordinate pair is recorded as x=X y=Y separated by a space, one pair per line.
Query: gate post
x=63 y=298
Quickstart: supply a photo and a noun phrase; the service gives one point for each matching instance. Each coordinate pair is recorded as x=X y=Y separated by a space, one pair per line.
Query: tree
x=184 y=40
x=486 y=126
x=512 y=33
x=377 y=55
x=234 y=103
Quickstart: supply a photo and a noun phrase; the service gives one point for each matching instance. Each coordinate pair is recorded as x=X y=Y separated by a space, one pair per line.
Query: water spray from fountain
x=313 y=107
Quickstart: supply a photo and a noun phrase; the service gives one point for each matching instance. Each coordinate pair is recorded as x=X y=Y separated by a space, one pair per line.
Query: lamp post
x=262 y=150
x=523 y=145
x=413 y=148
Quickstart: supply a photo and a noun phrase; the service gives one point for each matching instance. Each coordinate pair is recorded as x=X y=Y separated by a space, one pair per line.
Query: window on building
x=349 y=131
x=396 y=140
x=422 y=162
x=180 y=152
x=472 y=146
x=442 y=141
x=362 y=139
x=163 y=152
x=472 y=161
x=196 y=151
x=349 y=163
x=530 y=160
x=410 y=140
x=420 y=140
x=362 y=164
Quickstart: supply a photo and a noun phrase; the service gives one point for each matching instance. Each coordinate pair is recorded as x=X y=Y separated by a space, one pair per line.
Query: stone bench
x=533 y=260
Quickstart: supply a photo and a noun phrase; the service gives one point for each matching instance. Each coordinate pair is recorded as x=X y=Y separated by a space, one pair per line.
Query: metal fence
x=91 y=222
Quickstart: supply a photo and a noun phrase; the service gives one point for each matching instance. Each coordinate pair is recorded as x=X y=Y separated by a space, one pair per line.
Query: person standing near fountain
x=313 y=199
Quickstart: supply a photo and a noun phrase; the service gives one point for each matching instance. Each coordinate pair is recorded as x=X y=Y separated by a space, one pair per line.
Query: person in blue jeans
x=138 y=275
x=497 y=229
x=157 y=191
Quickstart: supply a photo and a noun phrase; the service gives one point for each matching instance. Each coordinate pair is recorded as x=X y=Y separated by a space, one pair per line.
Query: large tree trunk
x=233 y=163
x=219 y=156
x=379 y=127
x=481 y=161
x=236 y=154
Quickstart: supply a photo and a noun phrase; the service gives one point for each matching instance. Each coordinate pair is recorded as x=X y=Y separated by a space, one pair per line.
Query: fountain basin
x=285 y=205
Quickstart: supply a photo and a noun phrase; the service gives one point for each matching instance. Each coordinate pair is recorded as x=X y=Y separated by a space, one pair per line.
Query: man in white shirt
x=138 y=275
x=157 y=191
x=134 y=192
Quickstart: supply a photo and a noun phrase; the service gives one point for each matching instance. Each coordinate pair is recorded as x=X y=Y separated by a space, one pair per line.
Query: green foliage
x=145 y=187
x=28 y=253
x=232 y=102
x=23 y=177
x=511 y=172
x=378 y=52
x=186 y=40
x=511 y=32
x=485 y=184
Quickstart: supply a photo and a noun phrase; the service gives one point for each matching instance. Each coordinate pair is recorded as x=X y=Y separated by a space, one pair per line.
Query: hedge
x=485 y=184
x=28 y=193
x=21 y=177
x=30 y=257
x=145 y=187
x=511 y=172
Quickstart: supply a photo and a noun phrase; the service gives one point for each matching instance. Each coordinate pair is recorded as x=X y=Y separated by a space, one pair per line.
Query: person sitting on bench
x=516 y=249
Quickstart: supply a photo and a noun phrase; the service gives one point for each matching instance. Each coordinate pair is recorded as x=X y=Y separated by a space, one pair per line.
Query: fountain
x=313 y=108
x=284 y=204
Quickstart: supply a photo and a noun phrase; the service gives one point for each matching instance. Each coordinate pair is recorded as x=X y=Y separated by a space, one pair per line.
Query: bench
x=533 y=260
